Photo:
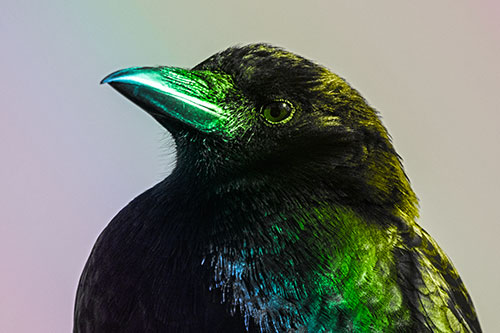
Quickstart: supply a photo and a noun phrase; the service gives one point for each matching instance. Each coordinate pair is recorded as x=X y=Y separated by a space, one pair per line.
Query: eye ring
x=277 y=112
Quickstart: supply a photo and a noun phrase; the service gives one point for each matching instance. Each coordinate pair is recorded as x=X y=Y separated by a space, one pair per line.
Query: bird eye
x=277 y=111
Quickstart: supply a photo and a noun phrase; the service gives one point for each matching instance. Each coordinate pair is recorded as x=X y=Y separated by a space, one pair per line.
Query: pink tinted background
x=73 y=153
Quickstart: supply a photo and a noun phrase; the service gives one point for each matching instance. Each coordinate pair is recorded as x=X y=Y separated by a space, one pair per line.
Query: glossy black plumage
x=270 y=226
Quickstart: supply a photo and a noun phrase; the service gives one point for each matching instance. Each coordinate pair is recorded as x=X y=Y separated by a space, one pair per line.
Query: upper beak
x=172 y=94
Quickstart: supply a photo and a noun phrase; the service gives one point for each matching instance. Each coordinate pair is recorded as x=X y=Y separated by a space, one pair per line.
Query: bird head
x=262 y=113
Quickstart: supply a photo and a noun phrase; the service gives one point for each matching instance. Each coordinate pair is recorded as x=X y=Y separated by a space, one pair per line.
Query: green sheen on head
x=264 y=111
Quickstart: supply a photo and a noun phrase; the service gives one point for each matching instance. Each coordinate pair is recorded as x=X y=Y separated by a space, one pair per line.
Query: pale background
x=73 y=153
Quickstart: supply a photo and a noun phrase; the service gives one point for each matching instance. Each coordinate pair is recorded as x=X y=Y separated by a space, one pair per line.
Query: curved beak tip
x=109 y=78
x=119 y=75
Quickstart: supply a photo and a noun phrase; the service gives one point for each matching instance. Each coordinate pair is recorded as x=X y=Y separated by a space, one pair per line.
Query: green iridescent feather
x=290 y=196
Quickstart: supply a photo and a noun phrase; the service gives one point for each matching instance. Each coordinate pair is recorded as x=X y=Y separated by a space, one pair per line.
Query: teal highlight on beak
x=171 y=94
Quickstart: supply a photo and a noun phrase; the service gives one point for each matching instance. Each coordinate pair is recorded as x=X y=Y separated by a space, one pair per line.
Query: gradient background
x=73 y=153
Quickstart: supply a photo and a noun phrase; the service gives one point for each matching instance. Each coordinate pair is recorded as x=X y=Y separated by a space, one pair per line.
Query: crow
x=288 y=210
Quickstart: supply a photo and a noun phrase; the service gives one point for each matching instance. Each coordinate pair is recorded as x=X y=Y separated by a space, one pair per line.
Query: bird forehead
x=260 y=61
x=264 y=52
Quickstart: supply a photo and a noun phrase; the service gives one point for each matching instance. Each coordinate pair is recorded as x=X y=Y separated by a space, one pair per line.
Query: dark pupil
x=276 y=110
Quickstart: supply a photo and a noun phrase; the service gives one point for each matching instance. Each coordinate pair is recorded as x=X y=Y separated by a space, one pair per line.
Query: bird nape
x=288 y=210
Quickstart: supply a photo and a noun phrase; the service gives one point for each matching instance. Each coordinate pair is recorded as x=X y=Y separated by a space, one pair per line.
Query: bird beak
x=171 y=94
